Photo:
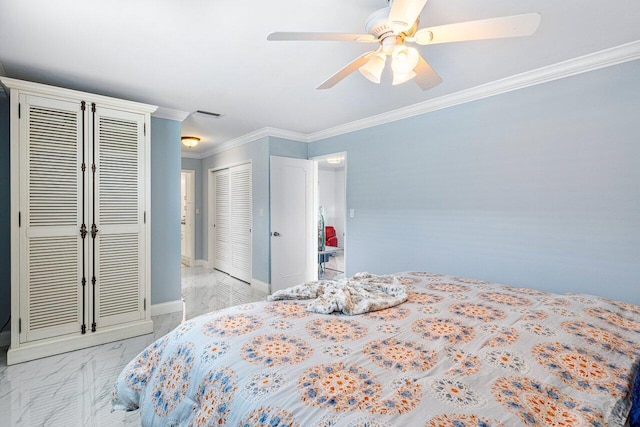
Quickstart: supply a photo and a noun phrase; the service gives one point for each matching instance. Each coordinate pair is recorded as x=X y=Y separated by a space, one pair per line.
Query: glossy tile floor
x=334 y=268
x=74 y=389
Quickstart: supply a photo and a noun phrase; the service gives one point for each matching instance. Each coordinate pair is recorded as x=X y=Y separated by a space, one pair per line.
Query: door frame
x=211 y=207
x=316 y=199
x=191 y=193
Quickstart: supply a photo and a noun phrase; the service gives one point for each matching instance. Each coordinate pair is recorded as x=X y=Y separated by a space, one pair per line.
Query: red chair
x=330 y=236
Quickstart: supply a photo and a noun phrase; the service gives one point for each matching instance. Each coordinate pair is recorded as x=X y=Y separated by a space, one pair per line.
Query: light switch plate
x=352 y=213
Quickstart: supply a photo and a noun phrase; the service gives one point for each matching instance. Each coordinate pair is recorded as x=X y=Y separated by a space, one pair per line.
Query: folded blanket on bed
x=359 y=294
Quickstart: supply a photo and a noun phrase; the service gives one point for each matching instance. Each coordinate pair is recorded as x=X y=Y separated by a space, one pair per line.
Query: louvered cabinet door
x=50 y=153
x=221 y=221
x=117 y=209
x=240 y=199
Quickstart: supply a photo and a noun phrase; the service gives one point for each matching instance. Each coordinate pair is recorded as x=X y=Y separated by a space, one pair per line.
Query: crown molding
x=582 y=64
x=190 y=154
x=594 y=61
x=288 y=134
x=168 y=113
x=42 y=89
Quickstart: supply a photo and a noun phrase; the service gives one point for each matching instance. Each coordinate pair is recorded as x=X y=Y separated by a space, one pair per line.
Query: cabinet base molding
x=44 y=348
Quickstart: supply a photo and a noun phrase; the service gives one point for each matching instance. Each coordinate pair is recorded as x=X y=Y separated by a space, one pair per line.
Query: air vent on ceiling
x=209 y=113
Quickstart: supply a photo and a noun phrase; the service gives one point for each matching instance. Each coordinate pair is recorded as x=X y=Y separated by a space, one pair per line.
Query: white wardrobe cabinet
x=79 y=219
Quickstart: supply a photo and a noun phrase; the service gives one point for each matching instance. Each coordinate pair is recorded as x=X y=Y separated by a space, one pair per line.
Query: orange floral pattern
x=336 y=330
x=232 y=325
x=400 y=355
x=462 y=420
x=447 y=329
x=464 y=363
x=174 y=378
x=459 y=352
x=583 y=369
x=424 y=299
x=614 y=319
x=603 y=338
x=506 y=299
x=477 y=311
x=214 y=397
x=276 y=350
x=392 y=313
x=448 y=287
x=266 y=416
x=339 y=387
x=287 y=309
x=499 y=336
x=538 y=404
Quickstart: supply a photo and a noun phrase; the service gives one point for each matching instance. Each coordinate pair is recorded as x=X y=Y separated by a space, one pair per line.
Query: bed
x=458 y=352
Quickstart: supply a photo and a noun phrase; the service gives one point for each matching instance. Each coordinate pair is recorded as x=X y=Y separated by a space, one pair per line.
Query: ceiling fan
x=397 y=25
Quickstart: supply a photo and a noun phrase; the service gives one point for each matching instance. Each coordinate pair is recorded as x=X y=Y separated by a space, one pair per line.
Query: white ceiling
x=213 y=55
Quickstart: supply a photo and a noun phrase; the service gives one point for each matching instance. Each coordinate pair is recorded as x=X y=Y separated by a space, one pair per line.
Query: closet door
x=221 y=221
x=51 y=200
x=116 y=252
x=240 y=198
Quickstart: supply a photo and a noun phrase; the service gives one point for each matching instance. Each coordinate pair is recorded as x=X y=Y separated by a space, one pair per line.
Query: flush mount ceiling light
x=398 y=24
x=190 y=141
x=334 y=160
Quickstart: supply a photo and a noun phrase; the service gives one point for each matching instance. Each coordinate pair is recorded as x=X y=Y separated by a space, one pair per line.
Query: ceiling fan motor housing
x=379 y=26
x=377 y=23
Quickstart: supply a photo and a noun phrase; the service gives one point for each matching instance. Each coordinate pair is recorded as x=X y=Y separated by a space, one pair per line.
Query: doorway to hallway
x=331 y=211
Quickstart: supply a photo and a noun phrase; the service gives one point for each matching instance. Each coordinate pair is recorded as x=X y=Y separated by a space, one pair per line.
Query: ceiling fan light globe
x=399 y=78
x=372 y=70
x=405 y=59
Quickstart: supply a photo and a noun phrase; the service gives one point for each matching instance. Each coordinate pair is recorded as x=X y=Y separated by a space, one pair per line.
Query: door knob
x=276 y=234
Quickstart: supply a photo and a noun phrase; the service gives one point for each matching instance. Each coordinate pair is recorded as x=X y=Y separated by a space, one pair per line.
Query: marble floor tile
x=74 y=388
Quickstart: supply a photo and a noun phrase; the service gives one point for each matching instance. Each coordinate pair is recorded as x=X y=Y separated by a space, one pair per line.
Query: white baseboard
x=202 y=263
x=189 y=261
x=5 y=339
x=259 y=285
x=166 y=307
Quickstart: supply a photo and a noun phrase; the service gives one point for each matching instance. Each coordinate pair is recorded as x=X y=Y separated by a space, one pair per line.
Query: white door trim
x=191 y=192
x=316 y=205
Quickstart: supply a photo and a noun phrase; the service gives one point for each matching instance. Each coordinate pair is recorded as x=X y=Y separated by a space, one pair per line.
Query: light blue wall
x=196 y=166
x=5 y=211
x=287 y=148
x=258 y=153
x=165 y=210
x=539 y=187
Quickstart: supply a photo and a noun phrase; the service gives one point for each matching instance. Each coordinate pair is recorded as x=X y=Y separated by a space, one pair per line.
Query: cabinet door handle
x=275 y=234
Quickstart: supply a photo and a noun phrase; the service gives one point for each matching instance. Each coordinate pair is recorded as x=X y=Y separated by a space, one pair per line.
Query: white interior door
x=293 y=238
x=221 y=221
x=240 y=200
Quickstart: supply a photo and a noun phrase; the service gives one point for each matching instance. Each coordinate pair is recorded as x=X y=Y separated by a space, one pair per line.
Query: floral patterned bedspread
x=459 y=352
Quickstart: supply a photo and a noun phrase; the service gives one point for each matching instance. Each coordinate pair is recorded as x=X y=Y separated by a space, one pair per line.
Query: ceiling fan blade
x=348 y=69
x=335 y=37
x=493 y=28
x=426 y=77
x=404 y=13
